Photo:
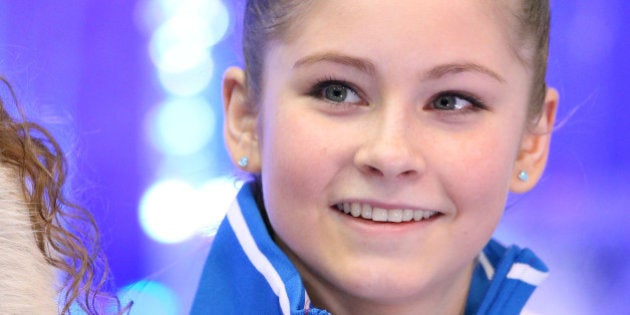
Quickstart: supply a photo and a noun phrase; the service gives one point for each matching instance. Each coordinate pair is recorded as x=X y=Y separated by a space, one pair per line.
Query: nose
x=390 y=149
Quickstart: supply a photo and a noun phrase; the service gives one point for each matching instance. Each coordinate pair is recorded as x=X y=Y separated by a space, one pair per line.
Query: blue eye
x=455 y=102
x=336 y=92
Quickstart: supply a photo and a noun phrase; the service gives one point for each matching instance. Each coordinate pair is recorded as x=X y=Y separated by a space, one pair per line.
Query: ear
x=240 y=117
x=534 y=149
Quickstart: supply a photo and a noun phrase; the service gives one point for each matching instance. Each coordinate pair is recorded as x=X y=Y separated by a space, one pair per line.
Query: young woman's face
x=396 y=111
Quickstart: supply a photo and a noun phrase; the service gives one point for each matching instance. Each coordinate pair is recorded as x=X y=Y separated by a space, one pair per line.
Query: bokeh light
x=150 y=297
x=183 y=40
x=216 y=194
x=187 y=82
x=182 y=126
x=172 y=211
x=167 y=211
x=208 y=17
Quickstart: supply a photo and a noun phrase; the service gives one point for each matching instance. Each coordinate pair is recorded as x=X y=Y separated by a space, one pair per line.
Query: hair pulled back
x=268 y=20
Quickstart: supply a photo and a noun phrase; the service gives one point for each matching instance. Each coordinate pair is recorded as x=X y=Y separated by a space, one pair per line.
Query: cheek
x=296 y=166
x=291 y=149
x=477 y=176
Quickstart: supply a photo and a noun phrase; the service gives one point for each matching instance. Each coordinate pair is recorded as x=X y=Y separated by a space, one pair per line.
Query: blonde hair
x=64 y=232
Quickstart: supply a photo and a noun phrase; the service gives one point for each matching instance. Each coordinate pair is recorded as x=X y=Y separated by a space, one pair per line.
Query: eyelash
x=477 y=103
x=318 y=88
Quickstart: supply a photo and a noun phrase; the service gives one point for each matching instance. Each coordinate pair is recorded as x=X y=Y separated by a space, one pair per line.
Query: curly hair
x=65 y=233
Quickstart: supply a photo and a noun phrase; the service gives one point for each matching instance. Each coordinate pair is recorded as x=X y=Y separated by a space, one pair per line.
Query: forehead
x=405 y=28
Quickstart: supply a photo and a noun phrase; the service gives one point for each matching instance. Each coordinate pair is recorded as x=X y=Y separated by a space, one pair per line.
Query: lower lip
x=369 y=226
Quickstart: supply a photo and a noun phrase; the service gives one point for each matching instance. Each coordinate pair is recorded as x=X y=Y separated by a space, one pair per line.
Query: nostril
x=373 y=170
x=408 y=173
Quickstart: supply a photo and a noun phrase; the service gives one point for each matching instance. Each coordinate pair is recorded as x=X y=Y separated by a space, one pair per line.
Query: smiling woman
x=382 y=162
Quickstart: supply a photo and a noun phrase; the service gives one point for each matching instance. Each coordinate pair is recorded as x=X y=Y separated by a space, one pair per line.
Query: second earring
x=243 y=162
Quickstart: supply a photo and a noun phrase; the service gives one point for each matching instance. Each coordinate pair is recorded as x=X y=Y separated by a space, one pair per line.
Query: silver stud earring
x=523 y=176
x=243 y=162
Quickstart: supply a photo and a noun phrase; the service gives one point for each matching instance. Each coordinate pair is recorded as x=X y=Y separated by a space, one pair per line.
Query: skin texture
x=387 y=144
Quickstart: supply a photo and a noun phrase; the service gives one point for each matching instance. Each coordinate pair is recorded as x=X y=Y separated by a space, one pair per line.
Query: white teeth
x=379 y=215
x=355 y=210
x=395 y=215
x=368 y=212
x=407 y=215
x=346 y=207
x=418 y=215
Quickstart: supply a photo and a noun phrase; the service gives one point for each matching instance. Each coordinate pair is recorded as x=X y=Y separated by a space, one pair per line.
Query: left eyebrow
x=454 y=68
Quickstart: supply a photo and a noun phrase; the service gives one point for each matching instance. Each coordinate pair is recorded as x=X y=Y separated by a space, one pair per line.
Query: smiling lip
x=377 y=214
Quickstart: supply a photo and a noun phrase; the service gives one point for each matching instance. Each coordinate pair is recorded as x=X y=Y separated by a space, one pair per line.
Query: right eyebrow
x=354 y=62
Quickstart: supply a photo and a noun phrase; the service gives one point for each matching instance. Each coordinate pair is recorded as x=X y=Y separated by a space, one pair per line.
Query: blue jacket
x=247 y=273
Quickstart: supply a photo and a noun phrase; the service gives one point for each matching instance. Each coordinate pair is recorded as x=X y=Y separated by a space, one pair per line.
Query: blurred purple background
x=131 y=89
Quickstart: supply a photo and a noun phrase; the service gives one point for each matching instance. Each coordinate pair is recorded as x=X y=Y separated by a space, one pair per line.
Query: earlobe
x=534 y=149
x=240 y=117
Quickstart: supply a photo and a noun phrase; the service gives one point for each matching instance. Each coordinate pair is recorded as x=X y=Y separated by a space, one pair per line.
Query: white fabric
x=526 y=273
x=486 y=265
x=257 y=258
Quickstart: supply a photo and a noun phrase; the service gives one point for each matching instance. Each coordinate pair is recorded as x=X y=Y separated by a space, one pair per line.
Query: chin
x=386 y=285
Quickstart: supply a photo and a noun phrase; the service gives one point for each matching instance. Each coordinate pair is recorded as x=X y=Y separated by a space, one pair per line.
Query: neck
x=447 y=298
